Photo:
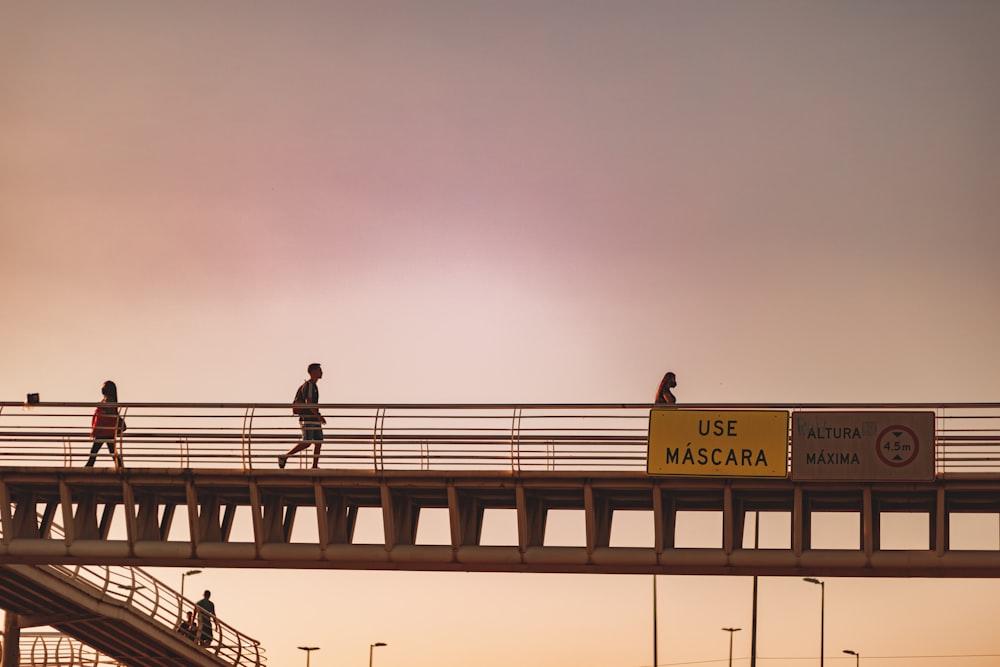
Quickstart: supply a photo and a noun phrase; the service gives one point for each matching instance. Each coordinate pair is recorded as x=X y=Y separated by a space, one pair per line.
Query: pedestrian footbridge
x=201 y=488
x=107 y=615
x=123 y=614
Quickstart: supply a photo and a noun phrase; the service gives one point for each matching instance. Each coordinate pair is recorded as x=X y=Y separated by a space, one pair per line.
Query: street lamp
x=371 y=647
x=187 y=574
x=857 y=656
x=308 y=650
x=822 y=607
x=131 y=589
x=655 y=656
x=731 y=631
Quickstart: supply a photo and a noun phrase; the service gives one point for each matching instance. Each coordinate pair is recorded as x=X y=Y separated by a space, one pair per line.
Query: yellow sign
x=744 y=443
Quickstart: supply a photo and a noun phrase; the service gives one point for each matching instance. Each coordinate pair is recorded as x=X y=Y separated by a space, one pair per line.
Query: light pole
x=731 y=631
x=857 y=656
x=308 y=650
x=822 y=611
x=655 y=656
x=753 y=621
x=187 y=574
x=371 y=647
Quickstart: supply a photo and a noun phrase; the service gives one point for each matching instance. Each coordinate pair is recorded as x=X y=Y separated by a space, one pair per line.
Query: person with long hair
x=663 y=394
x=106 y=425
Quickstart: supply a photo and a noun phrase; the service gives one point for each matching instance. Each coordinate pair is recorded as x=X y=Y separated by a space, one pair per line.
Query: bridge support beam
x=334 y=499
x=11 y=640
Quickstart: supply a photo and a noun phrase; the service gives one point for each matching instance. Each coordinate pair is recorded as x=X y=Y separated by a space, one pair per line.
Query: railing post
x=119 y=436
x=940 y=421
x=156 y=596
x=11 y=640
x=515 y=440
x=180 y=610
x=377 y=437
x=246 y=439
x=106 y=586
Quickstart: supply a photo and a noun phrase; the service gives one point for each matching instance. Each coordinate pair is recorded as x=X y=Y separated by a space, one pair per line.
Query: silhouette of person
x=105 y=426
x=187 y=626
x=310 y=420
x=206 y=610
x=663 y=394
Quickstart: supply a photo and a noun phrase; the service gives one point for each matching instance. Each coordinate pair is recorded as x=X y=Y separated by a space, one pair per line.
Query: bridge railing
x=54 y=649
x=417 y=437
x=147 y=596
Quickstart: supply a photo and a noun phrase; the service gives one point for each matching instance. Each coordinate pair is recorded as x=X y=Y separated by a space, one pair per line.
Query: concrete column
x=11 y=641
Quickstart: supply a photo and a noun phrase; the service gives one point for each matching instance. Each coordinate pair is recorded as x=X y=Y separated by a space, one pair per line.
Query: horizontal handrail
x=418 y=436
x=164 y=607
x=122 y=586
x=145 y=595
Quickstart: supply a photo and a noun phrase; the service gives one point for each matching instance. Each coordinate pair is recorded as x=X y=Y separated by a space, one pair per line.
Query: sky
x=497 y=202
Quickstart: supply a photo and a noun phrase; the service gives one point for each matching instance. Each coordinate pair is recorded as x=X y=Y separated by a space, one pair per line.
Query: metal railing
x=417 y=437
x=145 y=595
x=54 y=649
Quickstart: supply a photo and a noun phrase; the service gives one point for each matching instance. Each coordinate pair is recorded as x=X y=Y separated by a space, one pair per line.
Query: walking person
x=663 y=394
x=206 y=611
x=310 y=420
x=106 y=426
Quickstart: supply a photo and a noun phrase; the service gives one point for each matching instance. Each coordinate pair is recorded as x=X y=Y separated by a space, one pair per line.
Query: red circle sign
x=897 y=446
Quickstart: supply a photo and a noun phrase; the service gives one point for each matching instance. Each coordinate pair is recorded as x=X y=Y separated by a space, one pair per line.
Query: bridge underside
x=236 y=519
x=42 y=597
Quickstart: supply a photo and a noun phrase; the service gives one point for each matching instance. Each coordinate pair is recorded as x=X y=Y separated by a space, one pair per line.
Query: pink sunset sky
x=514 y=201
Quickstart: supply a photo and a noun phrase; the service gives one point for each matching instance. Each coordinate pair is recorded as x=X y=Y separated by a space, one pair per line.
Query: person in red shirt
x=106 y=425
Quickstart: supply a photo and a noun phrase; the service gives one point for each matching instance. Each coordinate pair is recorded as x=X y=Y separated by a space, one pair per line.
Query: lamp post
x=731 y=631
x=822 y=608
x=308 y=650
x=371 y=647
x=655 y=656
x=187 y=574
x=753 y=621
x=857 y=656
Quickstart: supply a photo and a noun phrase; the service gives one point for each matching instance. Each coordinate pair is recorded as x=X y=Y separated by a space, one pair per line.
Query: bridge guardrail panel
x=415 y=437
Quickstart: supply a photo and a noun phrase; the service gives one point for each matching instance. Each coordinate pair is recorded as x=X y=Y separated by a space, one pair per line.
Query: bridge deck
x=238 y=519
x=201 y=487
x=116 y=629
